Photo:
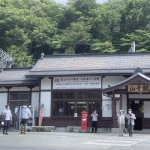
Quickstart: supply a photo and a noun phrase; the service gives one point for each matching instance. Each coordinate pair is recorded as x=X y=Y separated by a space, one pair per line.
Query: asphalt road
x=73 y=141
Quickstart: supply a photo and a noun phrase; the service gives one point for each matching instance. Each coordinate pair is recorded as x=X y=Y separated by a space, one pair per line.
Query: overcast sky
x=64 y=1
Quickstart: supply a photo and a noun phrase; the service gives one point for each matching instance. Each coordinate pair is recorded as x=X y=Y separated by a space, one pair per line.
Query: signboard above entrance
x=139 y=88
x=90 y=82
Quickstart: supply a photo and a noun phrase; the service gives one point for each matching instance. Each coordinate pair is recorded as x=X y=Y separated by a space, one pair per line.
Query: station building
x=69 y=84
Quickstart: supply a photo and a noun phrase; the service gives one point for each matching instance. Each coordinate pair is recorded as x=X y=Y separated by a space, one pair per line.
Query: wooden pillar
x=30 y=95
x=120 y=101
x=113 y=110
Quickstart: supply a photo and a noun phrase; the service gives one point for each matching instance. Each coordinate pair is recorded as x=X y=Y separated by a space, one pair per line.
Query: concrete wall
x=3 y=101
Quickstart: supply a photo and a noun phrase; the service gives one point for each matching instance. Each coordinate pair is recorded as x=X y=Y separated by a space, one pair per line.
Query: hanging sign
x=77 y=82
x=139 y=88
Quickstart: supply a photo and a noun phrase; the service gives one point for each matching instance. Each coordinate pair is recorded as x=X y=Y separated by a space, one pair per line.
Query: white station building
x=69 y=84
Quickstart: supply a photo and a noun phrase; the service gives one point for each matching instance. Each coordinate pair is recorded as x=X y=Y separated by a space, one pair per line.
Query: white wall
x=3 y=101
x=35 y=88
x=35 y=100
x=3 y=89
x=112 y=80
x=124 y=103
x=46 y=84
x=46 y=100
x=105 y=111
x=146 y=109
x=139 y=96
x=20 y=89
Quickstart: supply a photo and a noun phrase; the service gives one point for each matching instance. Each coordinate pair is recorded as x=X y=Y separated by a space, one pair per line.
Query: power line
x=71 y=43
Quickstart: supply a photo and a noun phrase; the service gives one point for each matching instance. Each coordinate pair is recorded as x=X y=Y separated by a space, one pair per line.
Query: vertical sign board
x=41 y=109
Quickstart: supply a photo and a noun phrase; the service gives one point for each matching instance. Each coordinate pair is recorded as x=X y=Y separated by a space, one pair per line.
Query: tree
x=76 y=34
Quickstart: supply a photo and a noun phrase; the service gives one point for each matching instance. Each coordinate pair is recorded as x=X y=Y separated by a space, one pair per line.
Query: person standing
x=25 y=115
x=94 y=116
x=131 y=117
x=121 y=122
x=8 y=119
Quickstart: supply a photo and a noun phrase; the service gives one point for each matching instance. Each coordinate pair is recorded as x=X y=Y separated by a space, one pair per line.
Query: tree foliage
x=29 y=27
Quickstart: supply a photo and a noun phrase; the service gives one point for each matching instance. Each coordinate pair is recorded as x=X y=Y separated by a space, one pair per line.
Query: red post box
x=83 y=120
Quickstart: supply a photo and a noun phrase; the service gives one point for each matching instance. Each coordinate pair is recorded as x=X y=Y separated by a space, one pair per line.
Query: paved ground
x=73 y=141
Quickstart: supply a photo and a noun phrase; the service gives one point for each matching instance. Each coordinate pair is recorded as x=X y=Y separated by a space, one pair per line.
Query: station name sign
x=139 y=88
x=77 y=82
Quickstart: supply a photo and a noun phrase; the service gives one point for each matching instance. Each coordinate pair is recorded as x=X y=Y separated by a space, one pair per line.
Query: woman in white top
x=121 y=122
x=8 y=118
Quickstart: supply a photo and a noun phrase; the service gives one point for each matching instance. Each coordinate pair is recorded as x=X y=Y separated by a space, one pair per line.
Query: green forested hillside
x=29 y=27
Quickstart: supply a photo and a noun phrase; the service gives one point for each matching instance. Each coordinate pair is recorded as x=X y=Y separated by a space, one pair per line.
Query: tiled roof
x=91 y=63
x=11 y=76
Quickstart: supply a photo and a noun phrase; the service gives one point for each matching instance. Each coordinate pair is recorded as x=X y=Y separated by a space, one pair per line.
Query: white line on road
x=117 y=141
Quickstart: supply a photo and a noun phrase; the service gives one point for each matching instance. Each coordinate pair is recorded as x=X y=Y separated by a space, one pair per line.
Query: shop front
x=71 y=96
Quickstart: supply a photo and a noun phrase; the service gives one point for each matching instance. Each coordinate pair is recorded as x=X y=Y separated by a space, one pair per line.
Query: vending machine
x=32 y=120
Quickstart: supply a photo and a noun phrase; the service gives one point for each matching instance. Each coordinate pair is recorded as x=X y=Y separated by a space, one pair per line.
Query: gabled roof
x=131 y=80
x=91 y=64
x=16 y=76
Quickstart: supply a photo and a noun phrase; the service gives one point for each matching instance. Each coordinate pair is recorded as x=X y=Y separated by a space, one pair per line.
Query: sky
x=64 y=1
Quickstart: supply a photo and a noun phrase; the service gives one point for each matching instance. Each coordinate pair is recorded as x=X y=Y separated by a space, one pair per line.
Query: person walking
x=94 y=116
x=131 y=117
x=121 y=122
x=25 y=115
x=8 y=119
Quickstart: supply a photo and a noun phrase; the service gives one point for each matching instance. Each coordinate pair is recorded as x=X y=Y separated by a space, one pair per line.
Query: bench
x=43 y=128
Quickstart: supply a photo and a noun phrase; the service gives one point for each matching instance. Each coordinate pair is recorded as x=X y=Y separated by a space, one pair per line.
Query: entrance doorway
x=137 y=109
x=15 y=108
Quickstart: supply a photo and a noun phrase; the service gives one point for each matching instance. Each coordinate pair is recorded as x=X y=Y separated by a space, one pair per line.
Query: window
x=94 y=105
x=68 y=108
x=63 y=108
x=81 y=106
x=66 y=103
x=19 y=97
x=63 y=95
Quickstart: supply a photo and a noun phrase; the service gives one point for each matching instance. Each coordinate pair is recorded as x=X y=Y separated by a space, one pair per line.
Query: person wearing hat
x=131 y=117
x=121 y=122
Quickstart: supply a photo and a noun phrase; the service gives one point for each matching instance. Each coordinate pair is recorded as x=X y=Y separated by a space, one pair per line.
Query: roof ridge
x=97 y=54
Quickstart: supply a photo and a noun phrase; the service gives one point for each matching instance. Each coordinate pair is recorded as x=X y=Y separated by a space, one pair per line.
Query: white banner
x=90 y=82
